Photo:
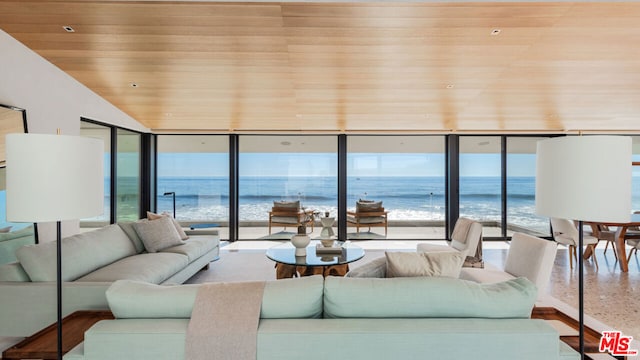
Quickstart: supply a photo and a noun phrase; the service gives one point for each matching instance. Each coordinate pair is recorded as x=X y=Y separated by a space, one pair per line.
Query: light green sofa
x=91 y=262
x=313 y=318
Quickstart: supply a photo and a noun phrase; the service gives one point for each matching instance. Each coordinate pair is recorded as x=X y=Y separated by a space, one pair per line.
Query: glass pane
x=285 y=168
x=195 y=170
x=521 y=187
x=103 y=133
x=128 y=176
x=480 y=177
x=405 y=174
x=12 y=235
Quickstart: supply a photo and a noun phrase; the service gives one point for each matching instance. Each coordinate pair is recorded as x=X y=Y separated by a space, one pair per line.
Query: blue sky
x=325 y=164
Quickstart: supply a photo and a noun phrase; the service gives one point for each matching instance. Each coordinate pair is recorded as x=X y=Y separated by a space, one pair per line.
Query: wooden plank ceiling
x=348 y=67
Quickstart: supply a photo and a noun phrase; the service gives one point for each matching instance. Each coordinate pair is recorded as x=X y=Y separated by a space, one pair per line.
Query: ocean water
x=406 y=198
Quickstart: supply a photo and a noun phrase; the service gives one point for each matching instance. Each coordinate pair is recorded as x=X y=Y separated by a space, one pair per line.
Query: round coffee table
x=288 y=265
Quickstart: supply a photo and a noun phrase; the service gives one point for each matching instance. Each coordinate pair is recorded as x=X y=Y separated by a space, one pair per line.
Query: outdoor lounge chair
x=368 y=214
x=466 y=238
x=289 y=213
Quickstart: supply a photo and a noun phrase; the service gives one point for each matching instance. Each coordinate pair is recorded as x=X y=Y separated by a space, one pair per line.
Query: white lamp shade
x=584 y=178
x=53 y=177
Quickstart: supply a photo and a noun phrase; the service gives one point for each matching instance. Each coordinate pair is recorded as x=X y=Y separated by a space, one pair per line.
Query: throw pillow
x=287 y=204
x=153 y=216
x=409 y=264
x=157 y=234
x=368 y=206
x=5 y=229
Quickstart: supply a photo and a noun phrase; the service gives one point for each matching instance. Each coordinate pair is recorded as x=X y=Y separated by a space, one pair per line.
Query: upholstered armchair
x=528 y=256
x=368 y=214
x=289 y=213
x=466 y=238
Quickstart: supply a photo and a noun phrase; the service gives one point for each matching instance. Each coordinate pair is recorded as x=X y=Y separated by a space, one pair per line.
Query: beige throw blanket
x=224 y=322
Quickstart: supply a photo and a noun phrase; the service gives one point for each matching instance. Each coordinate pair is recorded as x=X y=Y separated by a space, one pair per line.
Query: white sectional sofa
x=341 y=318
x=91 y=262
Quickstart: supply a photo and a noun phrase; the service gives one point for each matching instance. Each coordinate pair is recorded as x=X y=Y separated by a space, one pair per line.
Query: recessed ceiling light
x=495 y=31
x=68 y=28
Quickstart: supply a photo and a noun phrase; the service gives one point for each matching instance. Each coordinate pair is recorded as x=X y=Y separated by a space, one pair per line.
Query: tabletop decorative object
x=326 y=235
x=300 y=241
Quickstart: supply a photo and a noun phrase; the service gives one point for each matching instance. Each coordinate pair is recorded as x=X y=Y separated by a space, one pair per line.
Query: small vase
x=300 y=242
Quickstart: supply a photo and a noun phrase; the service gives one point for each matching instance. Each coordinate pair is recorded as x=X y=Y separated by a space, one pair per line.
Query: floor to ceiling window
x=292 y=171
x=521 y=187
x=481 y=181
x=128 y=178
x=194 y=170
x=103 y=133
x=406 y=176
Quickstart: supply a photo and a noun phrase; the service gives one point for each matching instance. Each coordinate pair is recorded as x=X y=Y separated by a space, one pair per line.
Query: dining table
x=621 y=231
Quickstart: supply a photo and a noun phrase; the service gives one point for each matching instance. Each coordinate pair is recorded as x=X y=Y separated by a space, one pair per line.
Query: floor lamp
x=571 y=184
x=54 y=178
x=173 y=194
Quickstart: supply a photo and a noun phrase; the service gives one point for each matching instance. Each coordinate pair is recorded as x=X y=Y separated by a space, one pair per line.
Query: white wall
x=53 y=100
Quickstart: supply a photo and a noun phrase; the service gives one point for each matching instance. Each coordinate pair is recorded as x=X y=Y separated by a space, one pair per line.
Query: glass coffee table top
x=285 y=254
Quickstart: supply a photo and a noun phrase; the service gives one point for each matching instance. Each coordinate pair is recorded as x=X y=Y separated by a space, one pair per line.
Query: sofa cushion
x=405 y=264
x=157 y=234
x=376 y=268
x=176 y=224
x=288 y=298
x=12 y=241
x=13 y=272
x=287 y=204
x=366 y=219
x=81 y=254
x=368 y=206
x=127 y=227
x=426 y=297
x=486 y=275
x=284 y=219
x=150 y=267
x=194 y=247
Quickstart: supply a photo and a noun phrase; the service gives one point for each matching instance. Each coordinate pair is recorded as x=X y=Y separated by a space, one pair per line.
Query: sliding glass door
x=481 y=181
x=521 y=187
x=128 y=175
x=103 y=133
x=193 y=170
x=406 y=176
x=293 y=171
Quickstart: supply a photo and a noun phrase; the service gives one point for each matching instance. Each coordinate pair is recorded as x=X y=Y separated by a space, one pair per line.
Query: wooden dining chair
x=604 y=233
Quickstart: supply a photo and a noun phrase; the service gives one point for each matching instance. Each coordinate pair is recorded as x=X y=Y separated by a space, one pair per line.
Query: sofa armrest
x=29 y=307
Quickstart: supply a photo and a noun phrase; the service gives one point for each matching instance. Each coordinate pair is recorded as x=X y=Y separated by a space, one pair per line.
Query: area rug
x=253 y=266
x=368 y=235
x=282 y=235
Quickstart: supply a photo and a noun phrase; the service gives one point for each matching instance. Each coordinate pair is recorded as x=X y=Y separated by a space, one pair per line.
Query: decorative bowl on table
x=327 y=242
